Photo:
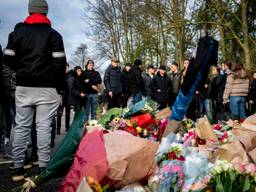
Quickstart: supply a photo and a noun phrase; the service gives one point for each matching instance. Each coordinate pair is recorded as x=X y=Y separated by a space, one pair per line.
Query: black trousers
x=67 y=116
x=125 y=98
x=114 y=101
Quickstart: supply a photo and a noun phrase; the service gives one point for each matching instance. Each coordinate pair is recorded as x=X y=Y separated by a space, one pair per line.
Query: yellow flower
x=139 y=129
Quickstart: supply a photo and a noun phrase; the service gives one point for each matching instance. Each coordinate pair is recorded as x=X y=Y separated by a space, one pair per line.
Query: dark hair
x=151 y=67
x=90 y=61
x=236 y=66
x=128 y=64
x=175 y=63
x=163 y=67
x=229 y=64
x=77 y=67
x=137 y=62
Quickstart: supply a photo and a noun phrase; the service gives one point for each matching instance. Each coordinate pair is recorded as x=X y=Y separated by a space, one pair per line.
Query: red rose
x=200 y=141
x=181 y=158
x=171 y=156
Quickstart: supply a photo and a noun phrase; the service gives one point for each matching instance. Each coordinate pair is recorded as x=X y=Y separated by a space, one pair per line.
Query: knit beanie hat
x=137 y=62
x=38 y=6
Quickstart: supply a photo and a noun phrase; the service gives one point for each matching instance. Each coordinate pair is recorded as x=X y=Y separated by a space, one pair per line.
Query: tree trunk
x=246 y=48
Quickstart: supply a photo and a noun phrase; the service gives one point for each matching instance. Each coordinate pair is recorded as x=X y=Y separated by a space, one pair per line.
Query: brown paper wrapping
x=252 y=154
x=246 y=137
x=250 y=123
x=204 y=129
x=166 y=112
x=130 y=158
x=233 y=152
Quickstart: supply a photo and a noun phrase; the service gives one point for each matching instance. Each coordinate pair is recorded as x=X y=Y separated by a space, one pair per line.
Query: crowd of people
x=37 y=85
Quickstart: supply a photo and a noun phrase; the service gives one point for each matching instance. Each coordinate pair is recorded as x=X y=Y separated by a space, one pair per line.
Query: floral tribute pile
x=125 y=152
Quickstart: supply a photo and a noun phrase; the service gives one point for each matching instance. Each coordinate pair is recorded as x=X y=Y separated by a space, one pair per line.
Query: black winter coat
x=126 y=81
x=74 y=88
x=113 y=80
x=221 y=83
x=253 y=91
x=136 y=81
x=176 y=81
x=161 y=88
x=35 y=52
x=147 y=80
x=214 y=89
x=94 y=79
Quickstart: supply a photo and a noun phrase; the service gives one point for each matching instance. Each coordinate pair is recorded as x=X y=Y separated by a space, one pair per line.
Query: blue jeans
x=207 y=109
x=136 y=97
x=91 y=106
x=237 y=106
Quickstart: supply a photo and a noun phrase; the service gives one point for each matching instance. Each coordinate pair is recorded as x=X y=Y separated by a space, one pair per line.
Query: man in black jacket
x=161 y=88
x=137 y=83
x=147 y=78
x=91 y=79
x=35 y=52
x=113 y=84
x=175 y=77
x=126 y=84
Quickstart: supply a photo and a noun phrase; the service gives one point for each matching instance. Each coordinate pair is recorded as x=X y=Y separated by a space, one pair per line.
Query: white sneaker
x=6 y=141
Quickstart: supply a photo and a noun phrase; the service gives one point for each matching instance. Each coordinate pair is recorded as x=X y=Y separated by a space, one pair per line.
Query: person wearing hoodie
x=136 y=81
x=76 y=93
x=236 y=91
x=91 y=80
x=36 y=53
x=161 y=88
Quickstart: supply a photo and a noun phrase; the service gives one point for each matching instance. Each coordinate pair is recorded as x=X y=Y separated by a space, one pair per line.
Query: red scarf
x=37 y=18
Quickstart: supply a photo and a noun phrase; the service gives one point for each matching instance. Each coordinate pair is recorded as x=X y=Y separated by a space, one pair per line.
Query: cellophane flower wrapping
x=171 y=176
x=196 y=170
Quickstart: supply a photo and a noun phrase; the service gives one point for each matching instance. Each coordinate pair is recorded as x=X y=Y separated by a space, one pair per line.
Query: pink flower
x=251 y=169
x=176 y=169
x=240 y=168
x=167 y=168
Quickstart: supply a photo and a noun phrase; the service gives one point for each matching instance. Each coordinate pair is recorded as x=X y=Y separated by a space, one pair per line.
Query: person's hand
x=86 y=80
x=251 y=102
x=82 y=94
x=95 y=87
x=197 y=92
x=110 y=93
x=225 y=101
x=158 y=90
x=205 y=86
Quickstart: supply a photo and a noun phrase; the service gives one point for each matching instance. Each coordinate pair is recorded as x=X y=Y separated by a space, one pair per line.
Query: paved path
x=6 y=184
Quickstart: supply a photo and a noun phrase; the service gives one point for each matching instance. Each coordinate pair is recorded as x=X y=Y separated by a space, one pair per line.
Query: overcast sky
x=65 y=15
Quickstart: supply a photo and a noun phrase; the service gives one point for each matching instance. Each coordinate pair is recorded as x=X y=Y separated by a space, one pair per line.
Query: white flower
x=177 y=148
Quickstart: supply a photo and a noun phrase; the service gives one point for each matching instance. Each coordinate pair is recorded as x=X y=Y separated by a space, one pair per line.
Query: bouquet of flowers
x=223 y=133
x=117 y=123
x=228 y=177
x=170 y=177
x=175 y=152
x=196 y=170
